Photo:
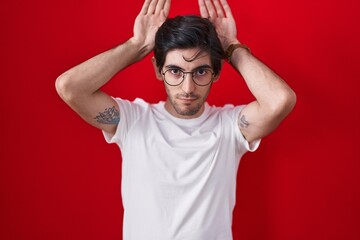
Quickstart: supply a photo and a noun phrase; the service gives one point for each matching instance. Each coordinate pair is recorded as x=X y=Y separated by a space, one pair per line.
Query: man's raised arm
x=274 y=98
x=79 y=86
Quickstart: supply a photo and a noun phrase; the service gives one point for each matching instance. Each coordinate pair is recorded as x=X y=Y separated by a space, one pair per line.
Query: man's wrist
x=141 y=49
x=229 y=43
x=232 y=47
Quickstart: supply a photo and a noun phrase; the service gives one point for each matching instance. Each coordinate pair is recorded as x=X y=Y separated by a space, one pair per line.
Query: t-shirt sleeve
x=234 y=114
x=130 y=112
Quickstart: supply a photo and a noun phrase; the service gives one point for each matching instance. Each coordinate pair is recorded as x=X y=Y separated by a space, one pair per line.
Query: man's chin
x=184 y=110
x=187 y=112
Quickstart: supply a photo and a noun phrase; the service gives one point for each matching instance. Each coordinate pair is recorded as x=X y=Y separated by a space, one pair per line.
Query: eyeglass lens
x=201 y=77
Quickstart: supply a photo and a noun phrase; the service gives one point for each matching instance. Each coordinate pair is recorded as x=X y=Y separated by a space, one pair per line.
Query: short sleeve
x=130 y=112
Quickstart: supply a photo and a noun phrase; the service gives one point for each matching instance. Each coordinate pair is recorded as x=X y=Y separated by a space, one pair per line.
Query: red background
x=60 y=180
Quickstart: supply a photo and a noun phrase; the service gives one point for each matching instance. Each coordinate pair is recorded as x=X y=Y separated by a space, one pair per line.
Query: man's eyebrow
x=203 y=66
x=173 y=66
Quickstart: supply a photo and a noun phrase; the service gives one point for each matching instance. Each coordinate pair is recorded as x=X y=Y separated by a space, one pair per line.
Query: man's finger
x=226 y=8
x=152 y=6
x=210 y=8
x=218 y=8
x=162 y=5
x=167 y=7
x=145 y=7
x=203 y=10
x=159 y=6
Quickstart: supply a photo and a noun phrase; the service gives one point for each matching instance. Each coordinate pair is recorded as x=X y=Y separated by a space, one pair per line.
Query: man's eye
x=201 y=72
x=175 y=71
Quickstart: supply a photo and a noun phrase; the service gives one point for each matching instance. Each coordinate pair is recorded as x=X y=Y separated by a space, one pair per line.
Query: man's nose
x=188 y=85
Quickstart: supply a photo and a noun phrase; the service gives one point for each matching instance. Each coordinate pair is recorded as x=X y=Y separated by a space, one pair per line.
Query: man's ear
x=156 y=69
x=216 y=77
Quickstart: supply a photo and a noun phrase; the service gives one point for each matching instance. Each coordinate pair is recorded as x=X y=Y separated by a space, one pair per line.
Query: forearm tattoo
x=243 y=123
x=109 y=116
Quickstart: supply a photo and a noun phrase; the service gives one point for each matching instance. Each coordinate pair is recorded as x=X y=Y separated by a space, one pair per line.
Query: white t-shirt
x=178 y=175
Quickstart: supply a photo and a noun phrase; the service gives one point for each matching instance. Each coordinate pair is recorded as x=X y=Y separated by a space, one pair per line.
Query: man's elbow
x=65 y=88
x=286 y=103
x=291 y=100
x=281 y=105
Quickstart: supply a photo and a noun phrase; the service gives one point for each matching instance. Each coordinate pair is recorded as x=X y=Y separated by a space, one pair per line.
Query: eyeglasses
x=201 y=76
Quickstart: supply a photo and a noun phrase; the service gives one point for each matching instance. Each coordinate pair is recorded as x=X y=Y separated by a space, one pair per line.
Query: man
x=180 y=157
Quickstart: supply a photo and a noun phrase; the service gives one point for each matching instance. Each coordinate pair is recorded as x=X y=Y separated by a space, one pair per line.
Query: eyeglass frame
x=184 y=74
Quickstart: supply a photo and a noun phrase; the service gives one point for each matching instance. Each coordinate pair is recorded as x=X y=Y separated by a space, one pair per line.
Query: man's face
x=187 y=99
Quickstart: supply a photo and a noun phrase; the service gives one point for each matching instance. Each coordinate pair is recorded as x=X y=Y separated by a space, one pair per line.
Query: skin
x=80 y=86
x=274 y=98
x=187 y=99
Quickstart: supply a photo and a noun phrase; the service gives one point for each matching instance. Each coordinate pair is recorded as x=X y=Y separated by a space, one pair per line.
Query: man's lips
x=187 y=99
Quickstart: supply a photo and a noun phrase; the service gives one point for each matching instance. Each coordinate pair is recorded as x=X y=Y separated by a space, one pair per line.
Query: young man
x=180 y=157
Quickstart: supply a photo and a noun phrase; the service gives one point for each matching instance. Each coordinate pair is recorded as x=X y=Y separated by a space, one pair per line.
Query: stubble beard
x=187 y=111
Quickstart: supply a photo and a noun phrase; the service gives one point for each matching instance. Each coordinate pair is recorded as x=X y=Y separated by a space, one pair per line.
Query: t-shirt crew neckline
x=186 y=121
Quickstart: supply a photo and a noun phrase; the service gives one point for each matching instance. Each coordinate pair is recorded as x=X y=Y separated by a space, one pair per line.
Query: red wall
x=60 y=180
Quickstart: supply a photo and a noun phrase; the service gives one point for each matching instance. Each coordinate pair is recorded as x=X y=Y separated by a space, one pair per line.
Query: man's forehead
x=192 y=55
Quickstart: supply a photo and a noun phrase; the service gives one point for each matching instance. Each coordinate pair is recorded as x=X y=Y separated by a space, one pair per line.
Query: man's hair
x=184 y=32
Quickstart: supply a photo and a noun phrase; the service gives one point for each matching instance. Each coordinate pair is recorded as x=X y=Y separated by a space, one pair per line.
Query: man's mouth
x=187 y=100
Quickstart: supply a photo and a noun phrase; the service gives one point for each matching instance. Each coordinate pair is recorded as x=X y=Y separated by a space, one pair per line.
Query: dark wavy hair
x=184 y=32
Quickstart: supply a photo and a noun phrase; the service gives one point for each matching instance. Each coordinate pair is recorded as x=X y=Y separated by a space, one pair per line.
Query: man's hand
x=274 y=98
x=219 y=13
x=150 y=18
x=80 y=86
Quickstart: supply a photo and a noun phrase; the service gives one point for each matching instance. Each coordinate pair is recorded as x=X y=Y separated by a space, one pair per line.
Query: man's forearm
x=268 y=88
x=89 y=76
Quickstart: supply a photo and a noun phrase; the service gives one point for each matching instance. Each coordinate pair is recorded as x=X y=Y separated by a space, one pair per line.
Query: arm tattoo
x=243 y=123
x=109 y=116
